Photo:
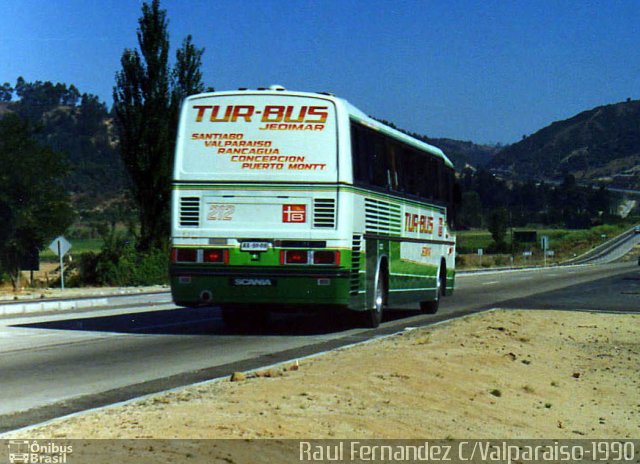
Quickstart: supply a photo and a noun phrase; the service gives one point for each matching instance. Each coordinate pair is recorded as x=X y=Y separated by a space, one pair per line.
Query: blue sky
x=485 y=71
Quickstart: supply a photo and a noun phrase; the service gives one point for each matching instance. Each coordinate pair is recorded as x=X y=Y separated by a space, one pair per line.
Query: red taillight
x=295 y=257
x=326 y=257
x=215 y=256
x=184 y=255
x=316 y=257
x=195 y=255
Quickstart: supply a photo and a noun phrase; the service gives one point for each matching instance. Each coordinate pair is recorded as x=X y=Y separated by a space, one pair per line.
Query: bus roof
x=354 y=113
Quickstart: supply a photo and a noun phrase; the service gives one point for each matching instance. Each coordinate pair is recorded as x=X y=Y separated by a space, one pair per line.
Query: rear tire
x=431 y=307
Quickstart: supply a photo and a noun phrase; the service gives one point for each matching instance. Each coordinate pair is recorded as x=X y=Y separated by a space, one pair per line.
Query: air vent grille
x=356 y=252
x=382 y=218
x=189 y=212
x=324 y=213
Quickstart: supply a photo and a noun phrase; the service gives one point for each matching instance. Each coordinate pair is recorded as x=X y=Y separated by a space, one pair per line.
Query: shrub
x=120 y=264
x=86 y=269
x=128 y=267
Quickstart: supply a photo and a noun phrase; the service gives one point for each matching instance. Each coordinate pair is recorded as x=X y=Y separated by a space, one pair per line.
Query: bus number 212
x=221 y=212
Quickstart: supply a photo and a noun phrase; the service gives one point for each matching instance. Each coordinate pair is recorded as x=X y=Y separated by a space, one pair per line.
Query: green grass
x=78 y=246
x=565 y=243
x=471 y=240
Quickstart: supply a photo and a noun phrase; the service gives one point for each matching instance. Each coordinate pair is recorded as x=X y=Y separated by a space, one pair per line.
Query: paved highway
x=52 y=365
x=609 y=251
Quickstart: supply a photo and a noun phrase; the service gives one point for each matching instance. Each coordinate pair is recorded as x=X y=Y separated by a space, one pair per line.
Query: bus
x=288 y=200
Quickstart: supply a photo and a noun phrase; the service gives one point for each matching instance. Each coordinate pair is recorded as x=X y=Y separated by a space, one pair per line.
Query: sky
x=485 y=71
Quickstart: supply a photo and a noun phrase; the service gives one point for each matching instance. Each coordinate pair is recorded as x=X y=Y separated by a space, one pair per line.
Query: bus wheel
x=373 y=316
x=431 y=307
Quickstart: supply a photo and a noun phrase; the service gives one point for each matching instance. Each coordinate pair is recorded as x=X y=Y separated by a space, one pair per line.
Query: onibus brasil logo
x=34 y=452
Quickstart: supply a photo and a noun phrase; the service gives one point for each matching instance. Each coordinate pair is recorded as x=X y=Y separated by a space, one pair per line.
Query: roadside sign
x=551 y=253
x=526 y=253
x=544 y=242
x=60 y=246
x=480 y=251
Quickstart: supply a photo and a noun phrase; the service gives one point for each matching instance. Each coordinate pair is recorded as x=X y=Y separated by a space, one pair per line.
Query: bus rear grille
x=356 y=251
x=324 y=212
x=382 y=218
x=189 y=212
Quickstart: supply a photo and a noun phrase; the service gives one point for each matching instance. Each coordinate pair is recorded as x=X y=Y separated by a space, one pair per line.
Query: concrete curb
x=55 y=305
x=50 y=306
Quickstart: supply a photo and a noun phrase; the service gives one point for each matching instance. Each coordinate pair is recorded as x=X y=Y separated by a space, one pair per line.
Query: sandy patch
x=503 y=374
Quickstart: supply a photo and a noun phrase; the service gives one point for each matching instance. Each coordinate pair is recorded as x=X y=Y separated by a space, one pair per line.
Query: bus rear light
x=316 y=257
x=184 y=255
x=295 y=257
x=326 y=257
x=215 y=255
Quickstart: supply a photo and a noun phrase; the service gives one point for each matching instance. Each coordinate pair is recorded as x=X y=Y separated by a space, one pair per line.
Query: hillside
x=459 y=152
x=80 y=126
x=463 y=153
x=601 y=145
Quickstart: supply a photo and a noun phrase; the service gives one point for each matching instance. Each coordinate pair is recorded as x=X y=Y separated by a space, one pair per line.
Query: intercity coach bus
x=292 y=200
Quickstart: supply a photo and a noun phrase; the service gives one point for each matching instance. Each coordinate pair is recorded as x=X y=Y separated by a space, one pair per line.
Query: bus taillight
x=326 y=258
x=195 y=255
x=184 y=255
x=294 y=257
x=316 y=257
x=215 y=255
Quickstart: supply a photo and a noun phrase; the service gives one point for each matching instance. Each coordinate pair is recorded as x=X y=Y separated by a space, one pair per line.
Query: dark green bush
x=120 y=264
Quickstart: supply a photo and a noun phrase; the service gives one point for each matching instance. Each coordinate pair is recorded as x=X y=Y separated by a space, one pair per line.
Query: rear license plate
x=252 y=282
x=255 y=246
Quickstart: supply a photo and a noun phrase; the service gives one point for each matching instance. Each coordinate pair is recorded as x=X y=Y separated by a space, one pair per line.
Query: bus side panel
x=414 y=240
x=410 y=281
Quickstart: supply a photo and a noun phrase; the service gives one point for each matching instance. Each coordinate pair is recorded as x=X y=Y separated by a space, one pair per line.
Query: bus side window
x=432 y=178
x=394 y=167
x=422 y=171
x=442 y=182
x=359 y=153
x=413 y=171
x=379 y=162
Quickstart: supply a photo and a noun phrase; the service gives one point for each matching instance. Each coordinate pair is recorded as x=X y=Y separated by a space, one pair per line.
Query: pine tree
x=146 y=105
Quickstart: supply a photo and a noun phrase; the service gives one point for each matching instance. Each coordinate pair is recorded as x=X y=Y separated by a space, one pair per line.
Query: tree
x=470 y=210
x=71 y=96
x=34 y=205
x=498 y=223
x=38 y=98
x=187 y=77
x=146 y=104
x=6 y=92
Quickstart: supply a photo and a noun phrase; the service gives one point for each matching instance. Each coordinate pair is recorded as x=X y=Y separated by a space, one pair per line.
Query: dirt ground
x=500 y=374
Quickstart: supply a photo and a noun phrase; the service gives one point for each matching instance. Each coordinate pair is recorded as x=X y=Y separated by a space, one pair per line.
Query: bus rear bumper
x=274 y=288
